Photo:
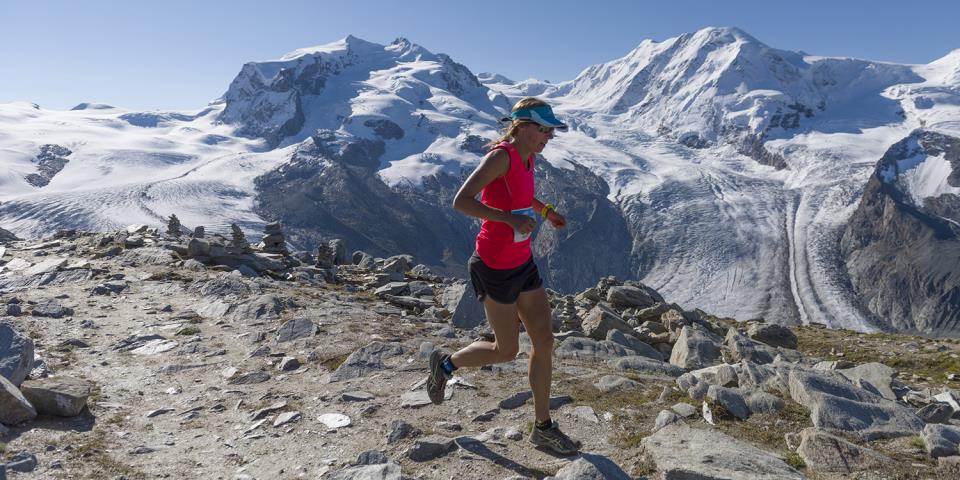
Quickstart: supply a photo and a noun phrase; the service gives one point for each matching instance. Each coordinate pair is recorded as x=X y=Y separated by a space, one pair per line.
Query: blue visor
x=542 y=115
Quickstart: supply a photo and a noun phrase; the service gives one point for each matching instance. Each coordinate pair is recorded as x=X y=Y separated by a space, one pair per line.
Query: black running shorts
x=503 y=286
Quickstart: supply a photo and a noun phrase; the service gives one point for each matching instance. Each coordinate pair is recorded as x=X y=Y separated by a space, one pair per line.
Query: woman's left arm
x=557 y=220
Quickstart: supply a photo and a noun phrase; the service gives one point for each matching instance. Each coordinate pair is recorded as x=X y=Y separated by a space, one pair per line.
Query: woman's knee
x=542 y=341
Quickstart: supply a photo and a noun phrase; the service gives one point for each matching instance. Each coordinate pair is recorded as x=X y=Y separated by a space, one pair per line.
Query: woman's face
x=536 y=135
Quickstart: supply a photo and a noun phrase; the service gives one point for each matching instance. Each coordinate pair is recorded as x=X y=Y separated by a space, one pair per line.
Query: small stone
x=158 y=412
x=250 y=378
x=356 y=396
x=420 y=398
x=516 y=400
x=287 y=418
x=400 y=430
x=430 y=448
x=141 y=450
x=288 y=364
x=22 y=462
x=265 y=412
x=664 y=418
x=685 y=410
x=334 y=420
x=371 y=457
x=486 y=416
x=451 y=426
x=586 y=413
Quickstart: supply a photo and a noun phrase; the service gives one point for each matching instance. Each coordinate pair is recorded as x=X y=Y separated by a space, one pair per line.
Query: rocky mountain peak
x=277 y=100
x=406 y=50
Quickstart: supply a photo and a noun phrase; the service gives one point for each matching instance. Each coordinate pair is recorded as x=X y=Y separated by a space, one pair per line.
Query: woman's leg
x=503 y=321
x=534 y=310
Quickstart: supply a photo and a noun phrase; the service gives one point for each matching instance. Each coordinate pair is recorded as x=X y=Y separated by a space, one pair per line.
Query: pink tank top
x=497 y=244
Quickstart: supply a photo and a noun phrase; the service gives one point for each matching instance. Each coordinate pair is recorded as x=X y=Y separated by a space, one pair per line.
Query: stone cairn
x=331 y=253
x=238 y=244
x=273 y=241
x=567 y=313
x=198 y=232
x=326 y=257
x=173 y=226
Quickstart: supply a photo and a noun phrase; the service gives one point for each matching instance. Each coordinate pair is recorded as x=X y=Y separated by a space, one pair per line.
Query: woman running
x=502 y=270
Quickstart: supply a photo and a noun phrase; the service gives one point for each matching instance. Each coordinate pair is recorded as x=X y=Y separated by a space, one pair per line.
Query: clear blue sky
x=175 y=54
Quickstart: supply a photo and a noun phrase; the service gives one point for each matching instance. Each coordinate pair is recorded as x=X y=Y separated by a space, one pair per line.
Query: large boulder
x=633 y=343
x=198 y=248
x=59 y=396
x=653 y=314
x=601 y=320
x=466 y=311
x=941 y=440
x=737 y=347
x=936 y=412
x=591 y=467
x=772 y=377
x=696 y=348
x=837 y=404
x=763 y=402
x=295 y=329
x=259 y=308
x=14 y=407
x=879 y=377
x=629 y=296
x=730 y=399
x=16 y=354
x=822 y=452
x=683 y=452
x=722 y=375
x=773 y=335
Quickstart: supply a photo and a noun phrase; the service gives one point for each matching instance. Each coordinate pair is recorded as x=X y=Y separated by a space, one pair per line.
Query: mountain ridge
x=731 y=199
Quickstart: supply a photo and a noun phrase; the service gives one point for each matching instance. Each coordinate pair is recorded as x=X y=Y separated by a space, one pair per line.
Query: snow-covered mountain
x=719 y=170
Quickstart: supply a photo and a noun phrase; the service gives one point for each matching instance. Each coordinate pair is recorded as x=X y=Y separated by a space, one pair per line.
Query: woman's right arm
x=494 y=165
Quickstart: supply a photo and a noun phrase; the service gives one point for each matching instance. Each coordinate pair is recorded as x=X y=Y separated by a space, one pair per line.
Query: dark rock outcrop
x=7 y=236
x=50 y=160
x=903 y=258
x=331 y=190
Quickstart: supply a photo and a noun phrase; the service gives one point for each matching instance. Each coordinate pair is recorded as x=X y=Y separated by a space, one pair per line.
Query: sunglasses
x=544 y=130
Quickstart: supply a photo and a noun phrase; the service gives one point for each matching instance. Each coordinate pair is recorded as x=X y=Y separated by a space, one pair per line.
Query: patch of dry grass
x=885 y=348
x=633 y=410
x=93 y=451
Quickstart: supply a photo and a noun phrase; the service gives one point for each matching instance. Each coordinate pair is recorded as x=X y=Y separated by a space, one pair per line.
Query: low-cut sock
x=544 y=425
x=448 y=365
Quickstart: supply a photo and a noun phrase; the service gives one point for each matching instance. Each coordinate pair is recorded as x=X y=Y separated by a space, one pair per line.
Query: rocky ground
x=138 y=354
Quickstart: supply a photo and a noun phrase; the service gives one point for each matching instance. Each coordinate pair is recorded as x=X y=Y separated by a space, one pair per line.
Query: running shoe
x=437 y=381
x=555 y=440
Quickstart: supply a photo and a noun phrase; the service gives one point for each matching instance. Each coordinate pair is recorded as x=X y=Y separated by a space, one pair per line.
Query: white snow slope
x=635 y=122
